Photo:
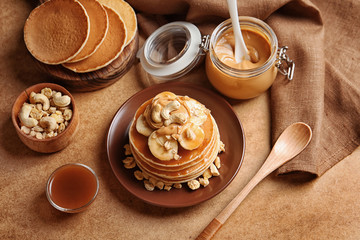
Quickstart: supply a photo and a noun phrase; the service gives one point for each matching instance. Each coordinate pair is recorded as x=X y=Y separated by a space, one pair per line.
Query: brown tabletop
x=278 y=208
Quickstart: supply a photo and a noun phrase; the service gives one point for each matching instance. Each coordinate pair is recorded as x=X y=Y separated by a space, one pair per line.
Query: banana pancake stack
x=81 y=35
x=174 y=140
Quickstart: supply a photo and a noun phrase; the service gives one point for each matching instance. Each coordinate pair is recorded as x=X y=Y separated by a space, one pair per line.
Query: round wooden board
x=83 y=82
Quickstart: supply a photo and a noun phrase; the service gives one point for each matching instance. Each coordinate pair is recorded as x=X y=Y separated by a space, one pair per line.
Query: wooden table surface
x=278 y=208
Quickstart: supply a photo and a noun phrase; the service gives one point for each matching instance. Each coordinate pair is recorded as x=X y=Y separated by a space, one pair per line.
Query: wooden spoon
x=290 y=143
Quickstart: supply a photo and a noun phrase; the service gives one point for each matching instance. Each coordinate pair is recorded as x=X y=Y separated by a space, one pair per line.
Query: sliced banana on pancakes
x=191 y=137
x=163 y=147
x=198 y=111
x=142 y=127
x=174 y=152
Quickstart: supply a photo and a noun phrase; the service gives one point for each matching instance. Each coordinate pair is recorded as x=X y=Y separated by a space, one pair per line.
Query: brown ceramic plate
x=231 y=133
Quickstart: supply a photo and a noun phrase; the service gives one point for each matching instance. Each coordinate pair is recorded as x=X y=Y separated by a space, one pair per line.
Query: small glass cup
x=72 y=188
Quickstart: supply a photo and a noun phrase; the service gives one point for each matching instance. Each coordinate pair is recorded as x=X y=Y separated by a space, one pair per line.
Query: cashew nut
x=207 y=174
x=171 y=106
x=39 y=106
x=217 y=162
x=214 y=171
x=58 y=118
x=204 y=181
x=127 y=149
x=48 y=123
x=40 y=98
x=49 y=134
x=139 y=175
x=153 y=181
x=37 y=128
x=67 y=114
x=193 y=184
x=24 y=116
x=25 y=129
x=52 y=109
x=61 y=101
x=167 y=187
x=160 y=185
x=155 y=113
x=149 y=186
x=47 y=92
x=150 y=122
x=178 y=117
x=61 y=128
x=39 y=135
x=222 y=147
x=36 y=113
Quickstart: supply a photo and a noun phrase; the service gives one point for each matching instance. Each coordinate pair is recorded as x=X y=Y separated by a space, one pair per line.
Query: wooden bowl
x=52 y=144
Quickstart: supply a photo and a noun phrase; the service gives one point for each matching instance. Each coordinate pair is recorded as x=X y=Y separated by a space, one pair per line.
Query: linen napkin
x=322 y=37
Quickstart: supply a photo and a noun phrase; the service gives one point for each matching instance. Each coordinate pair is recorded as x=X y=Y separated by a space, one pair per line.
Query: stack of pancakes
x=82 y=35
x=185 y=165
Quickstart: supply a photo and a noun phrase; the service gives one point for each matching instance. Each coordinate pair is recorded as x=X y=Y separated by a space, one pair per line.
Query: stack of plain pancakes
x=82 y=35
x=189 y=160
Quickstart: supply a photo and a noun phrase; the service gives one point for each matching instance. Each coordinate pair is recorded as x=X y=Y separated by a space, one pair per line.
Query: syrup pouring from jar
x=241 y=51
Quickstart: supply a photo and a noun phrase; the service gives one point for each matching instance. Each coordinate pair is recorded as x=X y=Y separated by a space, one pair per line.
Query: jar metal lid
x=171 y=51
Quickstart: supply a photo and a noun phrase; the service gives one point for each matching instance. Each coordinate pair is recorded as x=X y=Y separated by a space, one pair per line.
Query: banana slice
x=163 y=147
x=191 y=137
x=198 y=111
x=142 y=127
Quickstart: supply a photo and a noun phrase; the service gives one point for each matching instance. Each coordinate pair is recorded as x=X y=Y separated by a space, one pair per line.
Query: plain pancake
x=201 y=164
x=176 y=167
x=182 y=176
x=99 y=24
x=108 y=51
x=209 y=150
x=127 y=13
x=56 y=31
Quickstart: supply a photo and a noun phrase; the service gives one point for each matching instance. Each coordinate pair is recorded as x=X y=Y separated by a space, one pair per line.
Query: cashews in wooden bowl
x=45 y=117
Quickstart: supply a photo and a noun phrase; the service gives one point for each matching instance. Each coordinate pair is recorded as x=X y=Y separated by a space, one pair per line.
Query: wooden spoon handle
x=210 y=230
x=290 y=143
x=220 y=219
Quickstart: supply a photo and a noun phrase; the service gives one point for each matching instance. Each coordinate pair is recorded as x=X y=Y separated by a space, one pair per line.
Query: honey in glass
x=72 y=187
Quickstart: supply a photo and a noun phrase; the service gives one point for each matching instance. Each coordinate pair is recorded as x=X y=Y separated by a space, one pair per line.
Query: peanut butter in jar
x=174 y=49
x=248 y=78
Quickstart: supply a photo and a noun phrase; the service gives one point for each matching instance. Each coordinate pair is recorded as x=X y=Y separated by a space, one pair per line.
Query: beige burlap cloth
x=323 y=40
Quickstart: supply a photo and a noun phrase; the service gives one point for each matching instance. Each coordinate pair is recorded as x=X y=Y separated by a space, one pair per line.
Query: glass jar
x=176 y=48
x=171 y=51
x=244 y=84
